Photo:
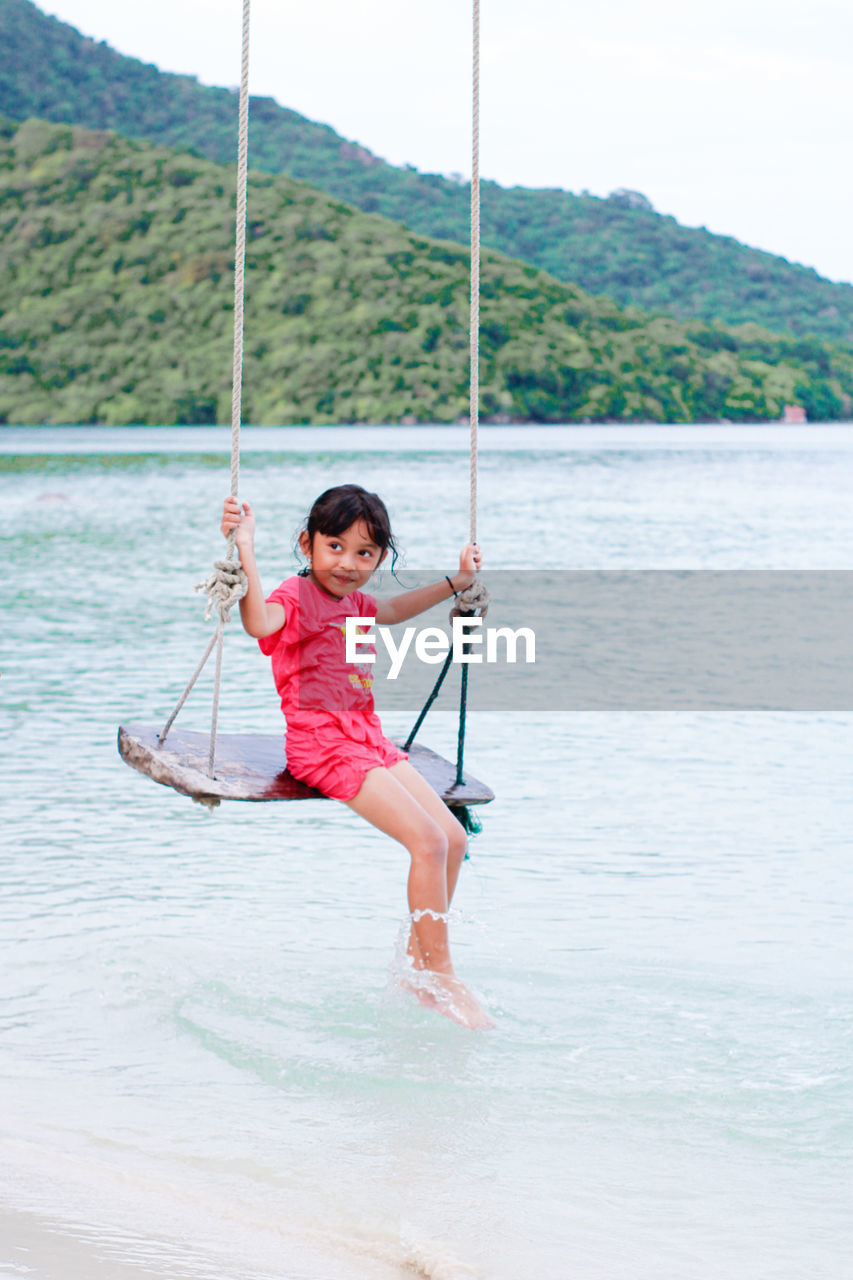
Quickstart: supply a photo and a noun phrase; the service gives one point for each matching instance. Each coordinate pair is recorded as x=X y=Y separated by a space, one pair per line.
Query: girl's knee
x=430 y=845
x=457 y=843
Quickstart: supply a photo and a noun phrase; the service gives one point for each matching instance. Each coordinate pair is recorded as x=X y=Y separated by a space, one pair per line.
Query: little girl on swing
x=334 y=740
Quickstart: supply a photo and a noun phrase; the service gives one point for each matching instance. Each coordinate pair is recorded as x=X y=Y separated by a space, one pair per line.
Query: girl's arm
x=410 y=603
x=258 y=618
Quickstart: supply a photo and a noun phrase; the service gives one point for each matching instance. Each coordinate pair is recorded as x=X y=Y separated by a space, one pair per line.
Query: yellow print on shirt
x=364 y=680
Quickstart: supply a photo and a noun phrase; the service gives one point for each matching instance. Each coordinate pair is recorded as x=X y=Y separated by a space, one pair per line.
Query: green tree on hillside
x=116 y=303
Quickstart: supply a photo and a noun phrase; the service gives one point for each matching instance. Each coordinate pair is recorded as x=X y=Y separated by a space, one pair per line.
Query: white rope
x=161 y=737
x=217 y=685
x=474 y=599
x=474 y=410
x=228 y=583
x=224 y=587
x=224 y=591
x=240 y=257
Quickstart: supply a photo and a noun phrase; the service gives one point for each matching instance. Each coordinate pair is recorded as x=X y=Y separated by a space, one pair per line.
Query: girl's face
x=342 y=562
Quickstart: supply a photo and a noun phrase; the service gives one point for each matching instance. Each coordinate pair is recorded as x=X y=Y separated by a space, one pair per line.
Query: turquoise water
x=206 y=1067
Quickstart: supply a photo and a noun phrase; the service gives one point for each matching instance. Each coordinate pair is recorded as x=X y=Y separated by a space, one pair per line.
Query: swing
x=238 y=766
x=250 y=766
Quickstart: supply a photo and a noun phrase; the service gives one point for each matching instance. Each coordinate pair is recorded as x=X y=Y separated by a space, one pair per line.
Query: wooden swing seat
x=251 y=766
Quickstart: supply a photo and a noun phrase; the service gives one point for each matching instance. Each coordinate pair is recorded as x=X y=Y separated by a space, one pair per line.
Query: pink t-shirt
x=313 y=678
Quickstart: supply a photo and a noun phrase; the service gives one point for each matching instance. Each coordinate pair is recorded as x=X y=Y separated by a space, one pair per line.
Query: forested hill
x=609 y=246
x=116 y=302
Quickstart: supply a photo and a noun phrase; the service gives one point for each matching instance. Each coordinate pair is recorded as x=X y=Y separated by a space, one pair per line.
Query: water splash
x=445 y=993
x=417 y=916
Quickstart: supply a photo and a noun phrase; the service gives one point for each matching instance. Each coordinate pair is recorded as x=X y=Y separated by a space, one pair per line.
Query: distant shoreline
x=484 y=424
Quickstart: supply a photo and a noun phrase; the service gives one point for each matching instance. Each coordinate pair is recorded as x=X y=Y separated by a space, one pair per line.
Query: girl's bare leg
x=388 y=805
x=386 y=801
x=457 y=839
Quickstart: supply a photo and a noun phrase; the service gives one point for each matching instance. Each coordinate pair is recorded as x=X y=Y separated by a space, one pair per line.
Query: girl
x=334 y=740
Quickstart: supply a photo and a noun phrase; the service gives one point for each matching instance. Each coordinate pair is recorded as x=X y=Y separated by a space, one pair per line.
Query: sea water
x=207 y=1067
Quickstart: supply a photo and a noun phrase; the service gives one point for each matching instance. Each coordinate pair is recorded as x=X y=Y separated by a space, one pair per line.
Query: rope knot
x=474 y=599
x=224 y=587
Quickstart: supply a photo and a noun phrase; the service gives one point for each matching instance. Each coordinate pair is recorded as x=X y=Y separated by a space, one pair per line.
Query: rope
x=188 y=690
x=221 y=586
x=475 y=267
x=430 y=700
x=474 y=600
x=227 y=583
x=224 y=588
x=217 y=684
x=460 y=740
x=240 y=258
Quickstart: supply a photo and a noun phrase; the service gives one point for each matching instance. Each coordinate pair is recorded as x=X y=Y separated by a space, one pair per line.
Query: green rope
x=470 y=822
x=430 y=700
x=462 y=812
x=463 y=709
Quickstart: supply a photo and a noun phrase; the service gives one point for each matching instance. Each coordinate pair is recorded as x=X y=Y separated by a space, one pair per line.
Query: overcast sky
x=737 y=116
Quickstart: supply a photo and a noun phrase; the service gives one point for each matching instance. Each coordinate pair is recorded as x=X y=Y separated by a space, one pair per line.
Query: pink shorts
x=328 y=759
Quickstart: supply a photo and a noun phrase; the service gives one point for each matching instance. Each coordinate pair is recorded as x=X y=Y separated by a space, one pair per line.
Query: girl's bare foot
x=453 y=999
x=417 y=981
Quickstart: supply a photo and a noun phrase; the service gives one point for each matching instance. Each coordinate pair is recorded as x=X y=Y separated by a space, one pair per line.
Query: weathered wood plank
x=251 y=766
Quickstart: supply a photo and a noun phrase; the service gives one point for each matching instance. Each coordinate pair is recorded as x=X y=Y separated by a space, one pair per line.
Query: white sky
x=735 y=115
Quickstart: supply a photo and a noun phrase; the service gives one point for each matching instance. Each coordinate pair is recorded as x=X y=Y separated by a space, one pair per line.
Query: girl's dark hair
x=339 y=508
